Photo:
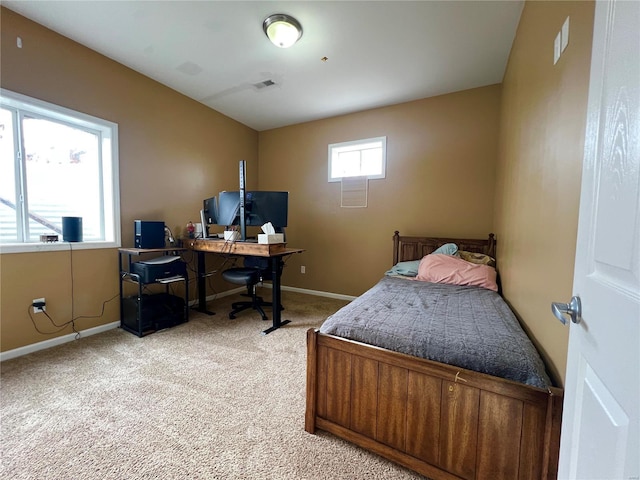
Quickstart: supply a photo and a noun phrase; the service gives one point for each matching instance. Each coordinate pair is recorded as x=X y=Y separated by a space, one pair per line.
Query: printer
x=159 y=268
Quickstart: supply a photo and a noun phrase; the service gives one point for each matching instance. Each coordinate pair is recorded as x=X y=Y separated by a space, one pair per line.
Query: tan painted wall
x=538 y=185
x=443 y=173
x=174 y=152
x=441 y=161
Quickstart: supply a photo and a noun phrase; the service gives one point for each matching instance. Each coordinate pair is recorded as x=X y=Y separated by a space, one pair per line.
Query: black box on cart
x=157 y=311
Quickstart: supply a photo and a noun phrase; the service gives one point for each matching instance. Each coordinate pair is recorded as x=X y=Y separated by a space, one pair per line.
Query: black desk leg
x=202 y=286
x=276 y=272
x=121 y=288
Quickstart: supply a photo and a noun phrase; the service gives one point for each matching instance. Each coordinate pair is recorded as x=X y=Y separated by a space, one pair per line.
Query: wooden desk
x=275 y=252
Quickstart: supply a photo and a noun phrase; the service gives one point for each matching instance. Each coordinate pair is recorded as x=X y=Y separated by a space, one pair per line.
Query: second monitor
x=260 y=207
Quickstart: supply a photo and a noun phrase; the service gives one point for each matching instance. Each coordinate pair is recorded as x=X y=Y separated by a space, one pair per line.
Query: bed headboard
x=414 y=248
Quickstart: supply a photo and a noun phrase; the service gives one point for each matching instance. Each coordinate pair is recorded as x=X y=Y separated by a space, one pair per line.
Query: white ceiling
x=379 y=52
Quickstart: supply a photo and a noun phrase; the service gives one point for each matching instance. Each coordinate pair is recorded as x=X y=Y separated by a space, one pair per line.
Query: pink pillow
x=455 y=271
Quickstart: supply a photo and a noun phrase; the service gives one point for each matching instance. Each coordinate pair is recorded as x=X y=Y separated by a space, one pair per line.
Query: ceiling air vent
x=264 y=84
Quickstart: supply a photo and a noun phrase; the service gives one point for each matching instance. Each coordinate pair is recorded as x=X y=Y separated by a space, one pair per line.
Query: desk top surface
x=240 y=248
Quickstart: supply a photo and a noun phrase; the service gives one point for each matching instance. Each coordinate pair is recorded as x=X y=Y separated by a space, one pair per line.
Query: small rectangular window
x=358 y=158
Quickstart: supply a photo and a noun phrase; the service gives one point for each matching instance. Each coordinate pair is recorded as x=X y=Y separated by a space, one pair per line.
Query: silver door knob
x=573 y=310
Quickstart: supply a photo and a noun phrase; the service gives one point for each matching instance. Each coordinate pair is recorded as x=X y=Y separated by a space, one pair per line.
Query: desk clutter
x=232 y=210
x=270 y=238
x=146 y=311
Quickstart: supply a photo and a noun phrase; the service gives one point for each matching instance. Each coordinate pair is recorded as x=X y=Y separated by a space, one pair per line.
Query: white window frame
x=357 y=145
x=109 y=172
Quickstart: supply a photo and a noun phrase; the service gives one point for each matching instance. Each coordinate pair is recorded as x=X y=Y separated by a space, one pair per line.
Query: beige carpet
x=209 y=399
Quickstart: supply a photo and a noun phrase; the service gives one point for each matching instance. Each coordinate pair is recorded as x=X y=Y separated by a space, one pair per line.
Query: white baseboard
x=34 y=347
x=318 y=293
x=211 y=298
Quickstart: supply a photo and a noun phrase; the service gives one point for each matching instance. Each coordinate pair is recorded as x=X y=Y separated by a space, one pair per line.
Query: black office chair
x=255 y=270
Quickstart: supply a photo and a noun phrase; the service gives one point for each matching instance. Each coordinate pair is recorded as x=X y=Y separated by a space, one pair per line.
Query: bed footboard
x=438 y=420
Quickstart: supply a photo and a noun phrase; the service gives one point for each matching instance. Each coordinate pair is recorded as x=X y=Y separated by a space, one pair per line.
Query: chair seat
x=242 y=275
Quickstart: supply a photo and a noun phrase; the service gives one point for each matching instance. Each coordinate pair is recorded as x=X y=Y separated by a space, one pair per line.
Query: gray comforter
x=469 y=327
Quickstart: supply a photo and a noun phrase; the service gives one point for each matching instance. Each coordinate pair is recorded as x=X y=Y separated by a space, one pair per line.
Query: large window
x=55 y=163
x=359 y=158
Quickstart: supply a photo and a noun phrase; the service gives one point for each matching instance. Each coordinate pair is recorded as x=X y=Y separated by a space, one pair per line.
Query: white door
x=600 y=429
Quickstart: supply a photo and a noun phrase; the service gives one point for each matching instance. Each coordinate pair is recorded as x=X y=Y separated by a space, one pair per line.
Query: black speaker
x=72 y=229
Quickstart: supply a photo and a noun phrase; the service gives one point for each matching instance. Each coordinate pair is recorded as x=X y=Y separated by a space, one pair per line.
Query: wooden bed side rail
x=312 y=381
x=385 y=451
x=407 y=248
x=438 y=420
x=552 y=439
x=429 y=367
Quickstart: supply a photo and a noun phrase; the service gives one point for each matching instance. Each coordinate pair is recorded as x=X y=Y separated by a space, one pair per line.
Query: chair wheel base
x=241 y=306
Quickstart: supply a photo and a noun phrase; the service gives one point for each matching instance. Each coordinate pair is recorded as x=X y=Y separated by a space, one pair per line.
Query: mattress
x=468 y=327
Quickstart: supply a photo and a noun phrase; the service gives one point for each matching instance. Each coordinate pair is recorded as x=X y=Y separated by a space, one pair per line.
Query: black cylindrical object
x=72 y=229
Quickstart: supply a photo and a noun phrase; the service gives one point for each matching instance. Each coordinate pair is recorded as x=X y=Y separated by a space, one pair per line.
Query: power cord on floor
x=70 y=322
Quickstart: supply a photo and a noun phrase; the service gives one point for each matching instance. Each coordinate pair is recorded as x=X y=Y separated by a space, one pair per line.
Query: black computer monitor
x=228 y=208
x=263 y=207
x=210 y=209
x=260 y=208
x=208 y=215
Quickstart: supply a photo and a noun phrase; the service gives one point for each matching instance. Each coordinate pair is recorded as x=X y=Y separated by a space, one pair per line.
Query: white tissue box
x=231 y=235
x=271 y=238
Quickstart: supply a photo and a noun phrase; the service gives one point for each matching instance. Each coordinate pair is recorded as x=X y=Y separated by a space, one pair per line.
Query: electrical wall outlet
x=40 y=305
x=303 y=269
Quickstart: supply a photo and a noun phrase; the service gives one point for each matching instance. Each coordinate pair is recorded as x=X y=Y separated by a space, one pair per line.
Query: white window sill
x=54 y=246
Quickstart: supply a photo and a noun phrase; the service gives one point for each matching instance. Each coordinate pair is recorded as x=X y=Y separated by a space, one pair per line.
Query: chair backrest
x=261 y=263
x=257 y=262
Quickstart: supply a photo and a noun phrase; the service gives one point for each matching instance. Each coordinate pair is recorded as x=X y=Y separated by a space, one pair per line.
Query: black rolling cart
x=142 y=314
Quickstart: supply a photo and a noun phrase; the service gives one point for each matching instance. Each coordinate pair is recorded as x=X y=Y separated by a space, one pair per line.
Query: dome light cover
x=282 y=30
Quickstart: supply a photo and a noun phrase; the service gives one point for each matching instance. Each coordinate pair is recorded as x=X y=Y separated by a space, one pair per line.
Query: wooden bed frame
x=439 y=420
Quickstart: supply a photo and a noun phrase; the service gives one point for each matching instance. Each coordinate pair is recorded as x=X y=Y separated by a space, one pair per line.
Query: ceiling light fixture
x=283 y=30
